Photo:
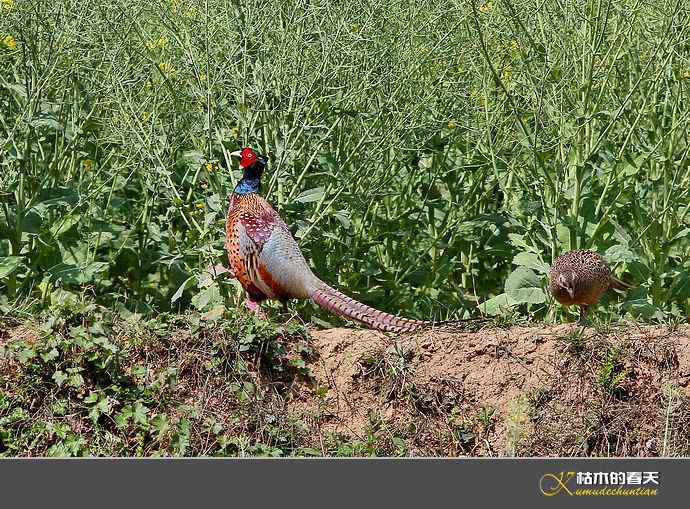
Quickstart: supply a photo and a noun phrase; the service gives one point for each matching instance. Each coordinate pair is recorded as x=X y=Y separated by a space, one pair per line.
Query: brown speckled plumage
x=580 y=278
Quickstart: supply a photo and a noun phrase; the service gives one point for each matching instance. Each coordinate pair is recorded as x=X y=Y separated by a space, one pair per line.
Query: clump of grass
x=576 y=341
x=611 y=376
x=391 y=369
x=517 y=426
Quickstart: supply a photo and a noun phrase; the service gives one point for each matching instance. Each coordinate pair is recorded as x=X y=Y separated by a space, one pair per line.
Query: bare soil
x=523 y=390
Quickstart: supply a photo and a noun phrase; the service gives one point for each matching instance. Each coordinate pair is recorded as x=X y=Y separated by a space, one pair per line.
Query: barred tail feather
x=340 y=304
x=619 y=285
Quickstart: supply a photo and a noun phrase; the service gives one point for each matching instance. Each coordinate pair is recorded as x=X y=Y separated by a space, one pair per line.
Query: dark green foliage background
x=429 y=155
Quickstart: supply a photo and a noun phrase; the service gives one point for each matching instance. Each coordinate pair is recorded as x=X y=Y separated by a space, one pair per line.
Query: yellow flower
x=199 y=206
x=478 y=96
x=173 y=6
x=87 y=164
x=507 y=73
x=235 y=133
x=153 y=44
x=513 y=45
x=7 y=5
x=144 y=116
x=164 y=67
x=484 y=8
x=685 y=75
x=9 y=42
x=452 y=125
x=210 y=167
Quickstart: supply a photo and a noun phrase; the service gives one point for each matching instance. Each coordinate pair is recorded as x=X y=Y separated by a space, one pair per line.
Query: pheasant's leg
x=254 y=307
x=583 y=314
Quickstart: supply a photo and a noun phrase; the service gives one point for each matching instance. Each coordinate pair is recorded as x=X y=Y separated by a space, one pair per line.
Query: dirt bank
x=250 y=388
x=526 y=390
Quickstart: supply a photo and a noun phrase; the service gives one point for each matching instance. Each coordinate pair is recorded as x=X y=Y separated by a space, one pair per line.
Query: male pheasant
x=268 y=263
x=581 y=277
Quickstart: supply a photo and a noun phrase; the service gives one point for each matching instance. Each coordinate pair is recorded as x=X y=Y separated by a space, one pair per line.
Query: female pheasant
x=581 y=277
x=268 y=263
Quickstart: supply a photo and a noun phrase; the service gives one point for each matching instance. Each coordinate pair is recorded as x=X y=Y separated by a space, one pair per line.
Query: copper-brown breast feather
x=258 y=220
x=237 y=210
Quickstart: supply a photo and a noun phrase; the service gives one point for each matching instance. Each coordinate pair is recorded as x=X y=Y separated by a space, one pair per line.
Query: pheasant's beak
x=237 y=154
x=571 y=291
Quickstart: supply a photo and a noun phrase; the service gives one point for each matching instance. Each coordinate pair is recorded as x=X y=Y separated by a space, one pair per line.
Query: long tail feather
x=340 y=304
x=620 y=285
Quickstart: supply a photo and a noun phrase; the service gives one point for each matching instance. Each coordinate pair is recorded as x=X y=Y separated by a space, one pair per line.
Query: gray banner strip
x=342 y=483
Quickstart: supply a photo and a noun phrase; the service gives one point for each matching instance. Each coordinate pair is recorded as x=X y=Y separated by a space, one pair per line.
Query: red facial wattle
x=249 y=157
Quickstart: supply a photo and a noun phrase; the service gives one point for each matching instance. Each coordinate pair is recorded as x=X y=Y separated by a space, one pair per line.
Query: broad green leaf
x=60 y=377
x=619 y=253
x=311 y=195
x=50 y=355
x=93 y=269
x=161 y=424
x=32 y=221
x=328 y=162
x=58 y=196
x=17 y=90
x=187 y=283
x=123 y=417
x=48 y=122
x=210 y=295
x=64 y=224
x=343 y=217
x=139 y=413
x=497 y=305
x=60 y=297
x=193 y=157
x=519 y=242
x=632 y=166
x=681 y=285
x=215 y=313
x=530 y=295
x=66 y=273
x=9 y=264
x=531 y=261
x=681 y=234
x=25 y=355
x=523 y=286
x=76 y=274
x=522 y=277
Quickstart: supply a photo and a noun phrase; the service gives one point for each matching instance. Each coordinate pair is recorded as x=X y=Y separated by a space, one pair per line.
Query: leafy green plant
x=610 y=376
x=428 y=158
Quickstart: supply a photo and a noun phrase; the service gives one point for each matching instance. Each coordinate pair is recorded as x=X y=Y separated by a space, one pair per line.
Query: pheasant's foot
x=255 y=308
x=583 y=315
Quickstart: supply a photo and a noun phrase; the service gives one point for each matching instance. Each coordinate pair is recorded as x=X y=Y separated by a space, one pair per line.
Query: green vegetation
x=430 y=156
x=94 y=383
